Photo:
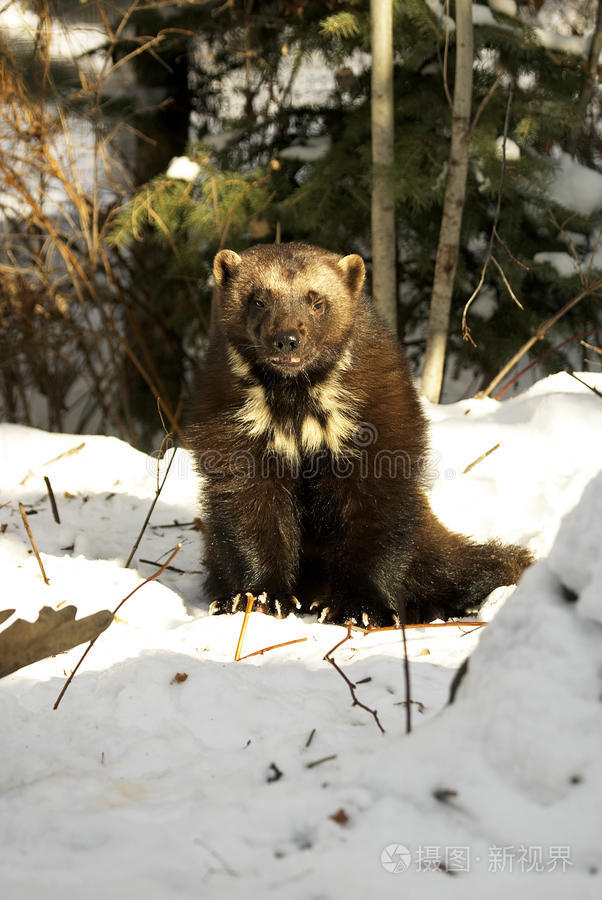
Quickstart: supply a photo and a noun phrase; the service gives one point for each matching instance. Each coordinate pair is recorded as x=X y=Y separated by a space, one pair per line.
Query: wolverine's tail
x=452 y=575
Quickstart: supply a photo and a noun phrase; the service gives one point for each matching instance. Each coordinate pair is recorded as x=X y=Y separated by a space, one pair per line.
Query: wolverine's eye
x=316 y=301
x=259 y=304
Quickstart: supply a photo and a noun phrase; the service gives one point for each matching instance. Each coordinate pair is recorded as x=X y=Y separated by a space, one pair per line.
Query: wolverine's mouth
x=288 y=361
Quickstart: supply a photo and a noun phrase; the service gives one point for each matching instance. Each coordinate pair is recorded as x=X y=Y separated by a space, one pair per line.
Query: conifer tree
x=279 y=149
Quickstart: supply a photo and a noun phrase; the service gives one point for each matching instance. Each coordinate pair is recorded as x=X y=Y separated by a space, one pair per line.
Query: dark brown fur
x=305 y=406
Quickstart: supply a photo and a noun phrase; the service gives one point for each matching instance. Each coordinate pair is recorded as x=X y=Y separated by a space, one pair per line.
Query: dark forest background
x=107 y=238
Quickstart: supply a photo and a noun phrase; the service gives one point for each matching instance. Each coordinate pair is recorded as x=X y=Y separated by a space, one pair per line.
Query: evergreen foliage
x=325 y=200
x=271 y=102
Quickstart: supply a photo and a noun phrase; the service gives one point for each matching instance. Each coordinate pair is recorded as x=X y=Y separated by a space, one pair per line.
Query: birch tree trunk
x=384 y=249
x=453 y=207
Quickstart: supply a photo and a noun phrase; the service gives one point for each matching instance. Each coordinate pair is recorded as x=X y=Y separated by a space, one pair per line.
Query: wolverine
x=312 y=445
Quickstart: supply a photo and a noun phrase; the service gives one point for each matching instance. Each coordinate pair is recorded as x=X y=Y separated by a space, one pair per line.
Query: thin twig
x=584 y=383
x=114 y=613
x=55 y=511
x=485 y=101
x=272 y=647
x=367 y=631
x=570 y=340
x=489 y=255
x=176 y=525
x=71 y=452
x=514 y=258
x=318 y=762
x=349 y=683
x=406 y=678
x=152 y=506
x=32 y=542
x=507 y=283
x=151 y=562
x=480 y=458
x=250 y=601
x=311 y=737
x=539 y=335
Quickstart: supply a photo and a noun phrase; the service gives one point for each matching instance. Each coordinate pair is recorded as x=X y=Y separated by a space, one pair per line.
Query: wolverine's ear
x=224 y=265
x=354 y=271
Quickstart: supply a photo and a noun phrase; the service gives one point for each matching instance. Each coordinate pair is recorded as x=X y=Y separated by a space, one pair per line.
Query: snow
x=575 y=186
x=183 y=168
x=21 y=27
x=482 y=15
x=140 y=785
x=439 y=9
x=512 y=151
x=506 y=7
x=566 y=265
x=563 y=263
x=576 y=44
x=575 y=557
x=312 y=149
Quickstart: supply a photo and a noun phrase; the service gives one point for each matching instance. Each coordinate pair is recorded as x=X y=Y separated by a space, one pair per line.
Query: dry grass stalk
x=33 y=543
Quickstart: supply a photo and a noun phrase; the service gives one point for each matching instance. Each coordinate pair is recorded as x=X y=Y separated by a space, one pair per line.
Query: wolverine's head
x=288 y=307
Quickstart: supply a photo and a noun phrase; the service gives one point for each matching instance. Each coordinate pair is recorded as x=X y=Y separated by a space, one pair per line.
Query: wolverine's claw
x=296 y=602
x=213 y=608
x=397 y=620
x=323 y=615
x=314 y=604
x=278 y=606
x=235 y=601
x=365 y=620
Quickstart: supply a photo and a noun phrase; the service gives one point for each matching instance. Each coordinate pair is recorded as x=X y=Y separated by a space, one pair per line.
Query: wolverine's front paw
x=224 y=606
x=272 y=604
x=345 y=610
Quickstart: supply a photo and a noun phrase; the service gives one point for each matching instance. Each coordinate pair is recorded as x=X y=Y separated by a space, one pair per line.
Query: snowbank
x=142 y=784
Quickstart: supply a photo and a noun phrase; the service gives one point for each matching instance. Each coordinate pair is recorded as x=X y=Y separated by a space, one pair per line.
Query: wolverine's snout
x=286 y=342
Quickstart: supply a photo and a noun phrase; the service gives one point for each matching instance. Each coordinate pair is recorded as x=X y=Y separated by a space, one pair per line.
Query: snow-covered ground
x=143 y=785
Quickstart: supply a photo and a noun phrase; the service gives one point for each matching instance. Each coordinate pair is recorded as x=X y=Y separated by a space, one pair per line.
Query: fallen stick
x=475 y=624
x=55 y=511
x=349 y=683
x=272 y=647
x=154 y=503
x=70 y=452
x=250 y=601
x=32 y=542
x=151 y=562
x=114 y=613
x=318 y=762
x=480 y=458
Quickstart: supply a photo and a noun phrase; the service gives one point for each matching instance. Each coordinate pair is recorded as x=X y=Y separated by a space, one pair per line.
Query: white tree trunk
x=384 y=273
x=453 y=207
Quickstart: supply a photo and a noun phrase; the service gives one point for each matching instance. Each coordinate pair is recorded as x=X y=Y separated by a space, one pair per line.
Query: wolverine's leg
x=253 y=541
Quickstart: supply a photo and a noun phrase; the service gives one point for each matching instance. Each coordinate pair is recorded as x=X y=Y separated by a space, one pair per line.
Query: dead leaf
x=340 y=817
x=54 y=631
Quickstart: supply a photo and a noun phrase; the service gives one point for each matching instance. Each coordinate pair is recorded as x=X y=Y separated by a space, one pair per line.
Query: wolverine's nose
x=286 y=341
